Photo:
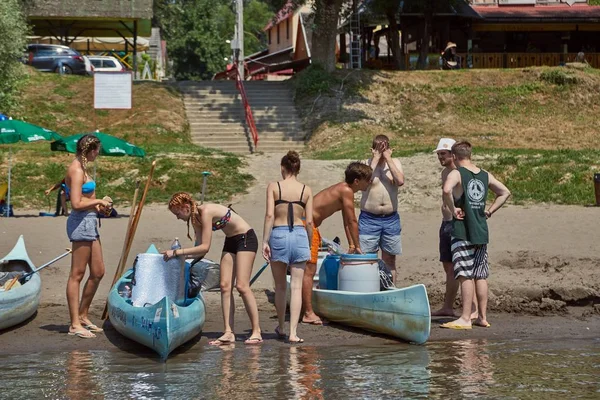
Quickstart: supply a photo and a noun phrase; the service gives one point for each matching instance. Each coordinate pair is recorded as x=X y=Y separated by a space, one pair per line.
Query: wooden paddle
x=22 y=279
x=129 y=236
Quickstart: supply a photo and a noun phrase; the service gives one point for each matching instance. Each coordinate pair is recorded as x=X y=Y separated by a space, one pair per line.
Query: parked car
x=53 y=57
x=104 y=64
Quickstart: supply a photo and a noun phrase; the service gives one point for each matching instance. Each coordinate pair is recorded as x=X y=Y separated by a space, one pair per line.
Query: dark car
x=53 y=57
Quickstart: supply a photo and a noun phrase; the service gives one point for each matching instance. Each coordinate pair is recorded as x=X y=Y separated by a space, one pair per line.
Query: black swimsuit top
x=290 y=205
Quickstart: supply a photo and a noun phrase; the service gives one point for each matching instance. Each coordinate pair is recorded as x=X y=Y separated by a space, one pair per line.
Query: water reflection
x=460 y=369
x=80 y=380
x=304 y=374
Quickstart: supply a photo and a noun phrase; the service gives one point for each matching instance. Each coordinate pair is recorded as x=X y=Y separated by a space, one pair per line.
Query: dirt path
x=544 y=259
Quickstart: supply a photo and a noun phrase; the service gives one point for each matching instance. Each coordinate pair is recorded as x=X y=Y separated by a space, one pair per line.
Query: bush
x=558 y=77
x=13 y=32
x=314 y=80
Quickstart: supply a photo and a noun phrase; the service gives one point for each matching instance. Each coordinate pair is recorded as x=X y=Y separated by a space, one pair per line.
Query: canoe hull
x=403 y=313
x=20 y=303
x=163 y=327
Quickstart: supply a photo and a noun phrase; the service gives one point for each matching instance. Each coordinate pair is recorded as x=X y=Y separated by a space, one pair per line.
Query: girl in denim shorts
x=286 y=239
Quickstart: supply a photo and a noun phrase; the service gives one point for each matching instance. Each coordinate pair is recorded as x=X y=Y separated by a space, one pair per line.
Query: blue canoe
x=19 y=303
x=403 y=313
x=163 y=326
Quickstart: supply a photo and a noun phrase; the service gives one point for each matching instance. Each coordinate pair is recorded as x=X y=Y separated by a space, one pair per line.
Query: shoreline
x=48 y=329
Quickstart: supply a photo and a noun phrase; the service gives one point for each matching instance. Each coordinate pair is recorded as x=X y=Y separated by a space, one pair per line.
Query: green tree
x=256 y=15
x=390 y=9
x=13 y=32
x=191 y=28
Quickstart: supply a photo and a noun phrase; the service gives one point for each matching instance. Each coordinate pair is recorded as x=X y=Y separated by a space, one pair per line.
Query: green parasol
x=110 y=145
x=13 y=131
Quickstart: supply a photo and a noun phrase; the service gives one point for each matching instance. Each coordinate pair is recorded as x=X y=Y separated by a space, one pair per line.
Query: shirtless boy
x=379 y=222
x=327 y=202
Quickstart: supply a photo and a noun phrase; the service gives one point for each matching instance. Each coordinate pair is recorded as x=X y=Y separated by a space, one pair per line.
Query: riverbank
x=544 y=279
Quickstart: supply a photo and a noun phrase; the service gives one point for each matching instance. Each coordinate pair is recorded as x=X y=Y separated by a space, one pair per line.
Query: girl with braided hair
x=82 y=230
x=237 y=258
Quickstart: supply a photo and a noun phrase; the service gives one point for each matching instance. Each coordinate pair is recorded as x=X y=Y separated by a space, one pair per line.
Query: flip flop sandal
x=279 y=334
x=221 y=342
x=82 y=334
x=253 y=341
x=452 y=325
x=93 y=328
x=296 y=341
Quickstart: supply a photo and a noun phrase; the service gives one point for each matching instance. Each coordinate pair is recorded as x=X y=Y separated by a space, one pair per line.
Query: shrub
x=558 y=77
x=13 y=31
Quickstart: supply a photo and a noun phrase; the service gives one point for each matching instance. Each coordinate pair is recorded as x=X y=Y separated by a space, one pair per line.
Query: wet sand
x=544 y=283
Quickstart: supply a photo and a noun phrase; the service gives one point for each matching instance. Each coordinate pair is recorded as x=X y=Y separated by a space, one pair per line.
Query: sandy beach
x=544 y=282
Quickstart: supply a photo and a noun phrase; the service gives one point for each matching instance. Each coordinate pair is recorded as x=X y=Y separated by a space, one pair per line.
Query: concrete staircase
x=216 y=115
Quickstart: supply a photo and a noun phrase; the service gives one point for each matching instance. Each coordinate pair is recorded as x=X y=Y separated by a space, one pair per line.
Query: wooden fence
x=522 y=60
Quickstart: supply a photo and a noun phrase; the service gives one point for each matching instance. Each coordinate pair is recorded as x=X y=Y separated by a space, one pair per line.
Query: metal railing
x=239 y=84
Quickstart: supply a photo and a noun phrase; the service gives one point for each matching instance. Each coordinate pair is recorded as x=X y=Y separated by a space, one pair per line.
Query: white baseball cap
x=445 y=144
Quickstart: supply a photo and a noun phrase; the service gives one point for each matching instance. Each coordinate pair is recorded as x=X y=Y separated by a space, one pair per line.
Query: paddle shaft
x=130 y=235
x=9 y=285
x=260 y=271
x=66 y=253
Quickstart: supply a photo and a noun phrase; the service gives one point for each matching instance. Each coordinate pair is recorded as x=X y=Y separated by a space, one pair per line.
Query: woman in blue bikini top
x=83 y=233
x=237 y=256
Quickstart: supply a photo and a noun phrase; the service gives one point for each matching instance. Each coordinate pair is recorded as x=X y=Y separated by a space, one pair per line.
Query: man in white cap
x=444 y=154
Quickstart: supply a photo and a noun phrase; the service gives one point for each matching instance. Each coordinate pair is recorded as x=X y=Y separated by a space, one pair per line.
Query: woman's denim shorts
x=289 y=246
x=82 y=226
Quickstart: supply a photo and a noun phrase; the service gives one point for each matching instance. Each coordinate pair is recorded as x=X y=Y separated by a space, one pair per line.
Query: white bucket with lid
x=359 y=273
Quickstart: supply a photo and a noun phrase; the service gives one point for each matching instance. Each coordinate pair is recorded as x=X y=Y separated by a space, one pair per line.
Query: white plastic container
x=359 y=273
x=156 y=278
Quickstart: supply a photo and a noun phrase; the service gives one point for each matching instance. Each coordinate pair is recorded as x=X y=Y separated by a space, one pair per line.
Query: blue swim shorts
x=380 y=232
x=289 y=246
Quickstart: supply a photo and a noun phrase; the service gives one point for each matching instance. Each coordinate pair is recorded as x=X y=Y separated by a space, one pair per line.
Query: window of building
x=277 y=33
x=269 y=36
x=287 y=28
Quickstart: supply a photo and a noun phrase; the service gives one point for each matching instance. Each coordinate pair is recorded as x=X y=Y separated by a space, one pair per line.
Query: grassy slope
x=157 y=123
x=537 y=128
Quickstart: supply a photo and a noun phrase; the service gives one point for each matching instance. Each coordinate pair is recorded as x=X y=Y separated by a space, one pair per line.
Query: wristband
x=175 y=253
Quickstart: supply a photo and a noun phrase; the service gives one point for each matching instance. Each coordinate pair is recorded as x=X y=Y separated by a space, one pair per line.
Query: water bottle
x=175 y=245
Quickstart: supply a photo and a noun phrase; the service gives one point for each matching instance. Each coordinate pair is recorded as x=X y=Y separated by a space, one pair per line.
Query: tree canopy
x=196 y=32
x=13 y=32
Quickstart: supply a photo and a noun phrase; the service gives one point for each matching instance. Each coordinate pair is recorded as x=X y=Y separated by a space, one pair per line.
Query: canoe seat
x=15 y=266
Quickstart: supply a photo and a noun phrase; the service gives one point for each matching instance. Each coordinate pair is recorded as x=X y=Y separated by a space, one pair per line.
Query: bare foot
x=444 y=312
x=483 y=323
x=312 y=319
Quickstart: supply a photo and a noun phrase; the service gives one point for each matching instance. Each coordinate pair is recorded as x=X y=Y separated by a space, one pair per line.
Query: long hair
x=86 y=144
x=180 y=198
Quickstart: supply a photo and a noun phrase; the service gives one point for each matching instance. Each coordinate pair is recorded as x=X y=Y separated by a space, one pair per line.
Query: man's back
x=329 y=201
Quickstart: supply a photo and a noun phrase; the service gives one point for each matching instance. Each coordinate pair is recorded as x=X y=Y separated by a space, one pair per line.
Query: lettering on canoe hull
x=118 y=315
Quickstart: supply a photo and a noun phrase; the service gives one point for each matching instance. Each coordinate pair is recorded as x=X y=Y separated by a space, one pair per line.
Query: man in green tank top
x=465 y=194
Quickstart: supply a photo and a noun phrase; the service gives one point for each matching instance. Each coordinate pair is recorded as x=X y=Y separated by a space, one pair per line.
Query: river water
x=515 y=369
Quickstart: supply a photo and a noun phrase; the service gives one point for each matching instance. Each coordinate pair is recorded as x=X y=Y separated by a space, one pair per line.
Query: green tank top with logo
x=474 y=225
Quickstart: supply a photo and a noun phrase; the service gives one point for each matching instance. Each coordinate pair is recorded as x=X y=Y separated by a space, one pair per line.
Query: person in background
x=63 y=197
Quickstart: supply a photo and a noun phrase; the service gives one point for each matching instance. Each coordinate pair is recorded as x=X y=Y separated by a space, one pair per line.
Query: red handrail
x=239 y=84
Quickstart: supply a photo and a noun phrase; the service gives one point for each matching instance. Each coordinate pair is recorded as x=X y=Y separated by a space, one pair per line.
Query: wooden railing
x=239 y=84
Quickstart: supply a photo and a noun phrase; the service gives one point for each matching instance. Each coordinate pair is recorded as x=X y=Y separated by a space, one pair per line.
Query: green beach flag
x=109 y=145
x=13 y=131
